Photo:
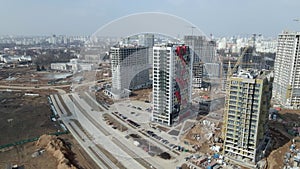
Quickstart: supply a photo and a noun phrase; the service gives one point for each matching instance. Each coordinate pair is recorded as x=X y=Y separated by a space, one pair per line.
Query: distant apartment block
x=171 y=84
x=73 y=65
x=146 y=40
x=8 y=59
x=247 y=104
x=59 y=66
x=287 y=70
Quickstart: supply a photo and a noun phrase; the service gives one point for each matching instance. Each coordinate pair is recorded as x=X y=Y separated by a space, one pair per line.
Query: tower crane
x=238 y=62
x=230 y=73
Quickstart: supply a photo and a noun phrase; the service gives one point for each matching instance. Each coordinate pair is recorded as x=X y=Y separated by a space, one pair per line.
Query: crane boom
x=238 y=62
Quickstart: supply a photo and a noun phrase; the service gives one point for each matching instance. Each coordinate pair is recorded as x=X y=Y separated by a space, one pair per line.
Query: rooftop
x=253 y=74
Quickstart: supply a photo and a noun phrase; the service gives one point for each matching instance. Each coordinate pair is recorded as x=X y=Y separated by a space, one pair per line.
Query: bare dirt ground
x=22 y=155
x=102 y=98
x=276 y=158
x=281 y=136
x=141 y=95
x=26 y=76
x=199 y=136
x=25 y=117
x=17 y=73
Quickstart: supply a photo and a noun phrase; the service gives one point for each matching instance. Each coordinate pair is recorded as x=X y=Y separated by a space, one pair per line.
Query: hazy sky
x=84 y=17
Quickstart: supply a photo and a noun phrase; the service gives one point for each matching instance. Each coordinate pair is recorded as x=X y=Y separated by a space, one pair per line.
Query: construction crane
x=229 y=75
x=230 y=71
x=238 y=62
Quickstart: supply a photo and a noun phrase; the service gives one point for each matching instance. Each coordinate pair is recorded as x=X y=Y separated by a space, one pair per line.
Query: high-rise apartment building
x=171 y=84
x=129 y=68
x=286 y=88
x=204 y=49
x=204 y=52
x=247 y=104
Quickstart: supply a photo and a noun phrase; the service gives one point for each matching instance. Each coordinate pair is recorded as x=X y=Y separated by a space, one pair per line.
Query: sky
x=83 y=17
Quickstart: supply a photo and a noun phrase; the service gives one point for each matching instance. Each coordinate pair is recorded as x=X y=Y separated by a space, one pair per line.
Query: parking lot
x=137 y=110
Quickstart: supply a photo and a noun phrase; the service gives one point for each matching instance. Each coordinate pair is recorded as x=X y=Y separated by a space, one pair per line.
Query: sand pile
x=277 y=157
x=58 y=149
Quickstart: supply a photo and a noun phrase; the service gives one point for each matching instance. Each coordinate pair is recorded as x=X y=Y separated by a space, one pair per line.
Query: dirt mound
x=275 y=159
x=58 y=149
x=278 y=156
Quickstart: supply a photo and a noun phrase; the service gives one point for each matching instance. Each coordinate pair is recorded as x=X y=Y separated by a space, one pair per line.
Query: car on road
x=173 y=146
x=150 y=132
x=123 y=117
x=165 y=141
x=154 y=135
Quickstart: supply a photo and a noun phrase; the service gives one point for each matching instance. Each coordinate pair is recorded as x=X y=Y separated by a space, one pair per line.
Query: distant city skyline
x=78 y=17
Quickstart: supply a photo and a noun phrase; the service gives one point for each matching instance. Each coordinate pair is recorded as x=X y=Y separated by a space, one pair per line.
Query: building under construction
x=247 y=104
x=251 y=59
x=204 y=56
x=198 y=74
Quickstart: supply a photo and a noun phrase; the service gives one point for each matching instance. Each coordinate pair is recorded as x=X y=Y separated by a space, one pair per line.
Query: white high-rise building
x=171 y=84
x=286 y=87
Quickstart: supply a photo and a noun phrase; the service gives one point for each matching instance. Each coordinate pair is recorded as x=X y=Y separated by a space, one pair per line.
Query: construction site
x=44 y=143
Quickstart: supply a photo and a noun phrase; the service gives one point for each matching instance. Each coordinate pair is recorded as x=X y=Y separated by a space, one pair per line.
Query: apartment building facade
x=171 y=84
x=286 y=90
x=247 y=104
x=130 y=66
